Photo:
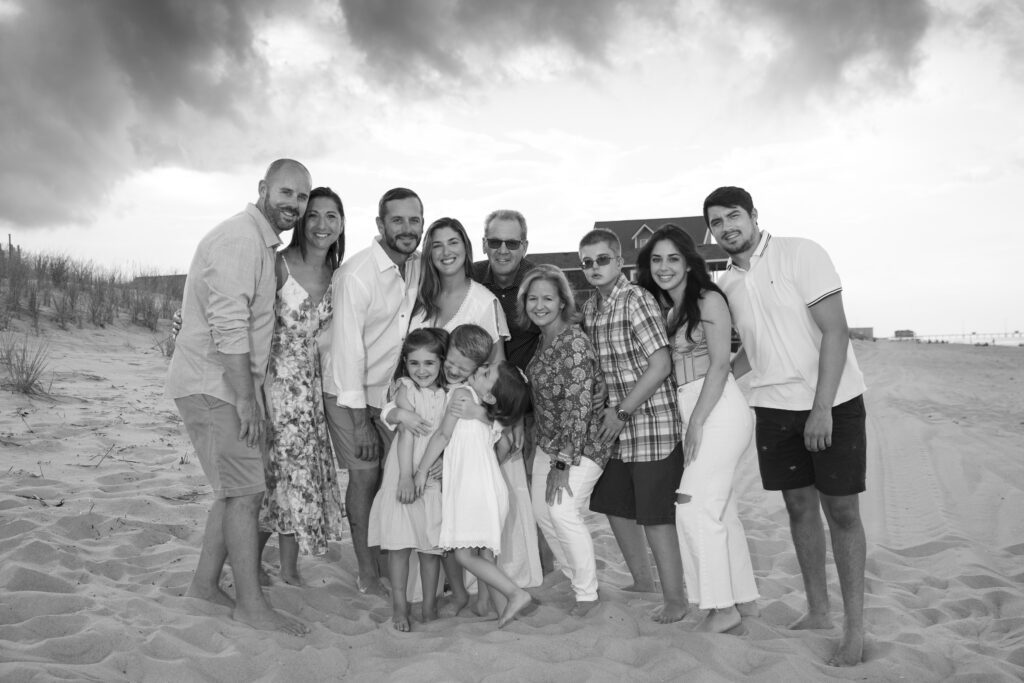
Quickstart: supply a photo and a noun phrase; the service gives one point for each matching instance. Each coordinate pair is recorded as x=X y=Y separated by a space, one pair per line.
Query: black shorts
x=644 y=491
x=785 y=463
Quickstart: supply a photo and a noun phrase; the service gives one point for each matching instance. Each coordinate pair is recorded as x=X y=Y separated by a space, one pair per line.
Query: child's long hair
x=511 y=395
x=433 y=339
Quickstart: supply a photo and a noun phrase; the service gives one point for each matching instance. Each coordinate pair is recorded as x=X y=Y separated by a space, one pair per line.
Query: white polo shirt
x=770 y=306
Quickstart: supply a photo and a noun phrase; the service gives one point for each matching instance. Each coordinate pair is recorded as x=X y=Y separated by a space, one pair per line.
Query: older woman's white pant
x=716 y=560
x=563 y=526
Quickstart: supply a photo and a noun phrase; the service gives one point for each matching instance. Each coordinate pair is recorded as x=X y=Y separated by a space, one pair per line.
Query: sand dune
x=102 y=505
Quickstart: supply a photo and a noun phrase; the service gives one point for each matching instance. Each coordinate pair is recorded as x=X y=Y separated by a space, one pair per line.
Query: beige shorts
x=343 y=435
x=231 y=466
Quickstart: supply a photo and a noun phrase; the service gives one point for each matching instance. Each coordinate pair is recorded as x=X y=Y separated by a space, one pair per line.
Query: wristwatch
x=622 y=415
x=560 y=465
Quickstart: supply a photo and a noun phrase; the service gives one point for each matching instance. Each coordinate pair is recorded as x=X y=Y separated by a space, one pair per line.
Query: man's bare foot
x=269 y=619
x=811 y=621
x=640 y=587
x=720 y=620
x=517 y=604
x=293 y=579
x=582 y=608
x=216 y=595
x=672 y=611
x=748 y=609
x=850 y=651
x=373 y=586
x=429 y=615
x=454 y=606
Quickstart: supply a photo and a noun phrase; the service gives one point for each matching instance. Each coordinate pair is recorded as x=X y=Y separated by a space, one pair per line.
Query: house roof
x=629 y=230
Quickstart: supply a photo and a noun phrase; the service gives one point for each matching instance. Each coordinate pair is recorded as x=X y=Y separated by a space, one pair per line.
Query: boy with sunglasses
x=637 y=489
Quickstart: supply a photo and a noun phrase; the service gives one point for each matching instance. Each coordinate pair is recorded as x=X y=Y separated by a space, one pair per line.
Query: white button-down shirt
x=372 y=305
x=770 y=305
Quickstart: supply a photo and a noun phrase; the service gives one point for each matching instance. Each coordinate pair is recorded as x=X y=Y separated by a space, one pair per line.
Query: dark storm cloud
x=407 y=41
x=83 y=85
x=817 y=42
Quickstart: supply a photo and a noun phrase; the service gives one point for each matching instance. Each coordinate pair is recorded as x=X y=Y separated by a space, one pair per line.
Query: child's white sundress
x=394 y=525
x=474 y=497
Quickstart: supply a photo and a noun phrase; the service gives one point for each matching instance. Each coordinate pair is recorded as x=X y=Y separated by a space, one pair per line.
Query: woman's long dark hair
x=430 y=281
x=698 y=280
x=336 y=252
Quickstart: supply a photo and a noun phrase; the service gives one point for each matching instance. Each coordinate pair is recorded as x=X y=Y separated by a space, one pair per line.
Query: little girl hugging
x=403 y=519
x=474 y=498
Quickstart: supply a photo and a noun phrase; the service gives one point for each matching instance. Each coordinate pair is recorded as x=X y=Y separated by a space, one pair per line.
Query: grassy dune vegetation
x=40 y=291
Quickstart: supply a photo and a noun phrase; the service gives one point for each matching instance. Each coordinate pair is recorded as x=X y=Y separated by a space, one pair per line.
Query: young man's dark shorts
x=644 y=491
x=785 y=463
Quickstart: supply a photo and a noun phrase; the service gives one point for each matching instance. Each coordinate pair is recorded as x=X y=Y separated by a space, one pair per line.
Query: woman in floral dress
x=302 y=503
x=569 y=395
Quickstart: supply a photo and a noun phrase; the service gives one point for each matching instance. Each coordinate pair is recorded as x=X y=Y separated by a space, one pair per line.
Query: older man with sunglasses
x=505 y=245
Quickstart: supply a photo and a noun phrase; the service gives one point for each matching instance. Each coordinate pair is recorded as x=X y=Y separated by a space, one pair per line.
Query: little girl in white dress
x=402 y=518
x=474 y=497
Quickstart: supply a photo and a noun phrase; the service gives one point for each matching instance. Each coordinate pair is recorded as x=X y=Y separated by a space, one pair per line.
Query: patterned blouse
x=569 y=395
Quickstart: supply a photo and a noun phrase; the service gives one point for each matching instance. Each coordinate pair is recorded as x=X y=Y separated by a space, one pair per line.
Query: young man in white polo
x=806 y=390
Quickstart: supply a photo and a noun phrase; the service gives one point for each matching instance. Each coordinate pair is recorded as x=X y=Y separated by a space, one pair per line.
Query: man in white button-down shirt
x=374 y=292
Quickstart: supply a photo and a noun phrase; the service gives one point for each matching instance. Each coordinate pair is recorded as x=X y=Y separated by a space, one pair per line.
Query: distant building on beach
x=867 y=333
x=903 y=334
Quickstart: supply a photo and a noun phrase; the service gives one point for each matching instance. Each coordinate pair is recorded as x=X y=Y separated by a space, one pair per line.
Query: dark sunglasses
x=602 y=260
x=511 y=245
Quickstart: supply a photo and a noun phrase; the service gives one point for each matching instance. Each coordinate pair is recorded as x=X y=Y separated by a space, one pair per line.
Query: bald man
x=216 y=380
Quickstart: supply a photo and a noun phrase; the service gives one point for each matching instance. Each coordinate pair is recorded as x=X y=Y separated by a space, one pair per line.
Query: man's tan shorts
x=343 y=435
x=232 y=467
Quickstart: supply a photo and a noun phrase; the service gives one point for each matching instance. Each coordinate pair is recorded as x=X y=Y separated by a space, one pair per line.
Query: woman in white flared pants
x=718 y=428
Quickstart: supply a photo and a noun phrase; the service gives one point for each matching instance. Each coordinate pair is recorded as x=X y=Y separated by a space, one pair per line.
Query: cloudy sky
x=890 y=131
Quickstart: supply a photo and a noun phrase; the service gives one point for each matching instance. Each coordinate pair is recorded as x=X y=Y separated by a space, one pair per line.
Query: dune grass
x=25 y=364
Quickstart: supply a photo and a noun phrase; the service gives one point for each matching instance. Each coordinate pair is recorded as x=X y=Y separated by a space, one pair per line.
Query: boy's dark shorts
x=785 y=463
x=644 y=491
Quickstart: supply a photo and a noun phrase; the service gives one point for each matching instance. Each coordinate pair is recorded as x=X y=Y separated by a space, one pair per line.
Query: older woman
x=718 y=425
x=569 y=395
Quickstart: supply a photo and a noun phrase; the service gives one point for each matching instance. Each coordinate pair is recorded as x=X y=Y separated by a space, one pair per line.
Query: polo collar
x=758 y=252
x=270 y=237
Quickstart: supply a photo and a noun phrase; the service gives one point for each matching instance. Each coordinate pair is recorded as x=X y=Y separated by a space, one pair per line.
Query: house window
x=641 y=242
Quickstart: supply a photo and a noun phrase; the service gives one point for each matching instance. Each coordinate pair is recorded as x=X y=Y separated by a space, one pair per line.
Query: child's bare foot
x=640 y=587
x=748 y=609
x=851 y=649
x=400 y=619
x=372 y=586
x=269 y=619
x=517 y=604
x=454 y=606
x=429 y=614
x=720 y=620
x=582 y=608
x=214 y=594
x=482 y=606
x=811 y=621
x=671 y=611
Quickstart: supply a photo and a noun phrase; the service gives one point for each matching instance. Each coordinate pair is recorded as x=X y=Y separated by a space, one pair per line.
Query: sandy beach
x=102 y=503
